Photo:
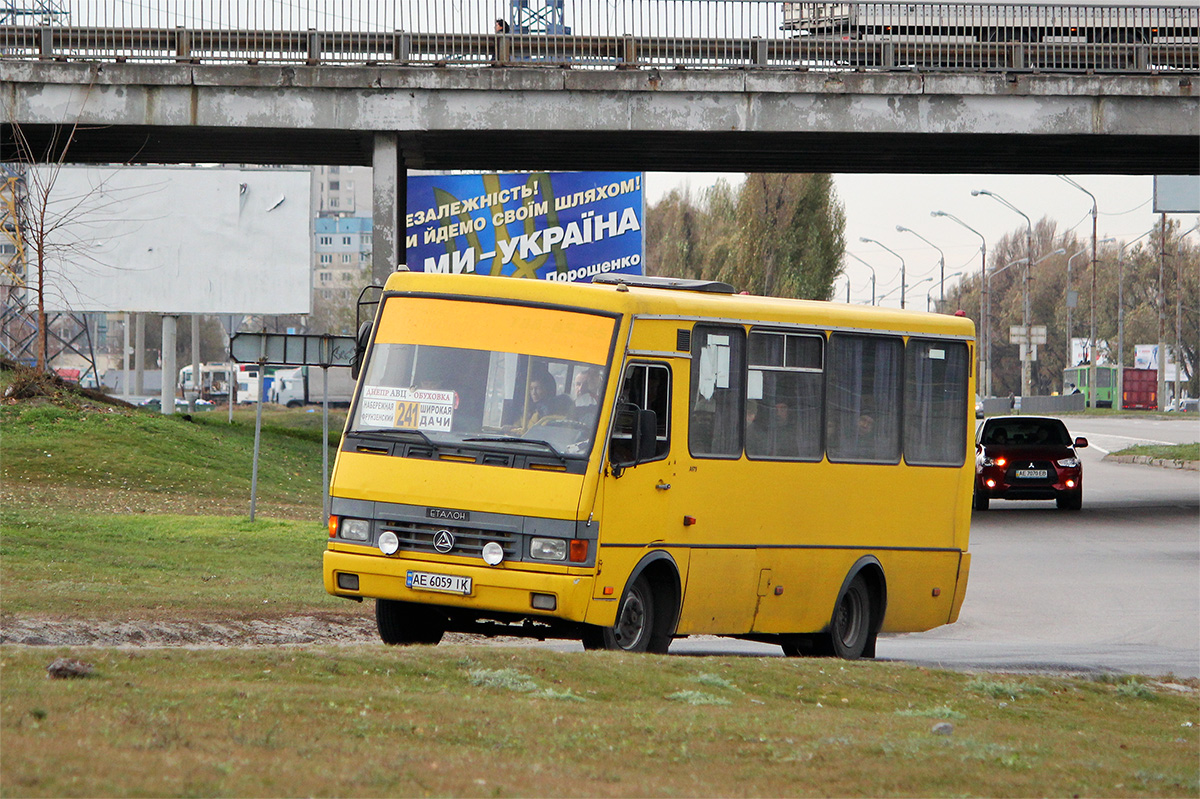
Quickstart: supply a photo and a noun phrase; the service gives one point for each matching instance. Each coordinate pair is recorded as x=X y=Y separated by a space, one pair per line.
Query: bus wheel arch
x=858 y=612
x=648 y=612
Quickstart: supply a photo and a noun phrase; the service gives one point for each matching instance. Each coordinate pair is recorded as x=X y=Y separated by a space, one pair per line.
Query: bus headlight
x=548 y=549
x=356 y=530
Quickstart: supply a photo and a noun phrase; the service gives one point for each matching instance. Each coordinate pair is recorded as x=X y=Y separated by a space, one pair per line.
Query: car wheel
x=1072 y=500
x=981 y=500
x=406 y=623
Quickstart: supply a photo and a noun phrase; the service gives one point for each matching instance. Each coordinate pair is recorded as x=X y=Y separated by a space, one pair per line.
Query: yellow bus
x=642 y=459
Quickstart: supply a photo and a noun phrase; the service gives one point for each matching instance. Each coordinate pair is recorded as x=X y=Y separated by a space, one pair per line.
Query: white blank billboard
x=177 y=240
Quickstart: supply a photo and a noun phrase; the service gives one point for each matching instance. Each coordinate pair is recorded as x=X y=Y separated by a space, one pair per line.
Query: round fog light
x=389 y=543
x=493 y=553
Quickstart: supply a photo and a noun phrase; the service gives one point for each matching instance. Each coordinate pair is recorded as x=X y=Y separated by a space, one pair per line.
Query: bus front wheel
x=406 y=623
x=637 y=624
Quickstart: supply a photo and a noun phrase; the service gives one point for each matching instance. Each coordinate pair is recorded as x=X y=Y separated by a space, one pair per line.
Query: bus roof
x=637 y=297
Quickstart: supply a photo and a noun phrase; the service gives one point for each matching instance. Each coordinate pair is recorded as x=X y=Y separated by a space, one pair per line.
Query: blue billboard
x=565 y=226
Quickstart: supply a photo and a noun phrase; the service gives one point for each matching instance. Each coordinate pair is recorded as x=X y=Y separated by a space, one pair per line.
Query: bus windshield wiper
x=406 y=430
x=518 y=440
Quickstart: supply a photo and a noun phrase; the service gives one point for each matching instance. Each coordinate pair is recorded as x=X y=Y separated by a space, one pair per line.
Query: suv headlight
x=356 y=530
x=548 y=548
x=1069 y=463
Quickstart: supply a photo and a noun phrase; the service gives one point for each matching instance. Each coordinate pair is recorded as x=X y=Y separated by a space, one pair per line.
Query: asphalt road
x=1112 y=587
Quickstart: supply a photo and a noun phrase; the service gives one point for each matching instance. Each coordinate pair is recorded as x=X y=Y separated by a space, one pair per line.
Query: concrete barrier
x=1042 y=406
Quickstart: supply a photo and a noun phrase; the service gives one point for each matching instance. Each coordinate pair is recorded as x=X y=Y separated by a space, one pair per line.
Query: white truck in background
x=302 y=385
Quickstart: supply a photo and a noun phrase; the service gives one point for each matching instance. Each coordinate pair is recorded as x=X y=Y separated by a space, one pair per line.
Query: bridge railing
x=616 y=34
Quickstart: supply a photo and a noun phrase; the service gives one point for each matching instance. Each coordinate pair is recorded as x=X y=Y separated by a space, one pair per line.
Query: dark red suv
x=1027 y=457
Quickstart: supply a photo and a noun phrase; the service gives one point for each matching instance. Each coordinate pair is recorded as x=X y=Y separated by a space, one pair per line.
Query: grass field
x=487 y=721
x=127 y=515
x=1168 y=452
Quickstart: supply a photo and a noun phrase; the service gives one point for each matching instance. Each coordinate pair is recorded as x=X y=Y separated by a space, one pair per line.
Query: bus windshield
x=535 y=390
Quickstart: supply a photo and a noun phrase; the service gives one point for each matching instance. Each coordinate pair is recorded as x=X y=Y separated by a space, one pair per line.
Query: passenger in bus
x=587 y=388
x=784 y=433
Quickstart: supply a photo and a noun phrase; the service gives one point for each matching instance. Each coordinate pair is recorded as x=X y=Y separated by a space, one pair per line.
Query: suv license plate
x=446 y=583
x=1031 y=474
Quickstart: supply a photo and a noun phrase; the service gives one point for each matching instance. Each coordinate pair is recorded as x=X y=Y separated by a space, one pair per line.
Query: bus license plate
x=446 y=583
x=1031 y=474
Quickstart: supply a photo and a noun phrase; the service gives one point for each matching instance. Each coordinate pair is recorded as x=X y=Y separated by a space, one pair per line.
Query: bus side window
x=646 y=387
x=862 y=398
x=716 y=401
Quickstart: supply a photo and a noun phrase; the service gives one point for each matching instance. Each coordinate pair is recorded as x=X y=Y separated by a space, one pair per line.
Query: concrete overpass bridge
x=554 y=99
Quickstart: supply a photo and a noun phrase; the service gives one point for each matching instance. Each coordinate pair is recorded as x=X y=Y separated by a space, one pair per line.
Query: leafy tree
x=780 y=235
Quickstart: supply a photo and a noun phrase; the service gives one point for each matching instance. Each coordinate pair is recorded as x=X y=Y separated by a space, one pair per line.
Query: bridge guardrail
x=624 y=34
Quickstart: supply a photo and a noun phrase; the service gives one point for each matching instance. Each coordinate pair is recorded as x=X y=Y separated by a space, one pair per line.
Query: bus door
x=636 y=503
x=724 y=577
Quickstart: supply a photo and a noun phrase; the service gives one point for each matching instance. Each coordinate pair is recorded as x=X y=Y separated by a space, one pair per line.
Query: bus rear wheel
x=637 y=627
x=850 y=629
x=406 y=623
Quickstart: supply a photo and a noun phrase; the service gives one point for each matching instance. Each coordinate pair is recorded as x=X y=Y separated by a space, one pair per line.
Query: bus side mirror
x=360 y=348
x=645 y=439
x=635 y=438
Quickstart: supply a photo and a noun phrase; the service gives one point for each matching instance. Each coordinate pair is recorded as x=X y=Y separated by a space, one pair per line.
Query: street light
x=941 y=258
x=1025 y=363
x=985 y=343
x=1068 y=360
x=1179 y=315
x=995 y=272
x=1092 y=331
x=942 y=302
x=1121 y=317
x=866 y=240
x=868 y=266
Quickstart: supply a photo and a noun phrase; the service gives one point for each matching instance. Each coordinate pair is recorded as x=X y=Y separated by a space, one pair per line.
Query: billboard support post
x=296 y=349
x=167 y=390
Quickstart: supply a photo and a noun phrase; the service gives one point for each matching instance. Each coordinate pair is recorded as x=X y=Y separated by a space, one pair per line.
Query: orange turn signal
x=333 y=525
x=578 y=550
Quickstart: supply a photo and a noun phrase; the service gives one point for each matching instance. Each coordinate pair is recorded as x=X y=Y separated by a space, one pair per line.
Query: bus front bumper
x=496 y=589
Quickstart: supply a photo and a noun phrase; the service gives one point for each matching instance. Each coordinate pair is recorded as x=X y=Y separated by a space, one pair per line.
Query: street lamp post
x=1092 y=330
x=941 y=258
x=985 y=344
x=1121 y=317
x=1179 y=314
x=1025 y=261
x=1068 y=360
x=1025 y=362
x=866 y=240
x=941 y=306
x=868 y=266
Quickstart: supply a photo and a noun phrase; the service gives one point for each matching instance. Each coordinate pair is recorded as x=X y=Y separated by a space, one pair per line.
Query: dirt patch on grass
x=283 y=631
x=17 y=493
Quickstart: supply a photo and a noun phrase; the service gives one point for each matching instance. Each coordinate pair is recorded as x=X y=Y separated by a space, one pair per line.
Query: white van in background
x=303 y=386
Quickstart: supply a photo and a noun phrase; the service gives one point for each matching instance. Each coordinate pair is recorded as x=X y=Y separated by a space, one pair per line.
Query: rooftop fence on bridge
x=612 y=34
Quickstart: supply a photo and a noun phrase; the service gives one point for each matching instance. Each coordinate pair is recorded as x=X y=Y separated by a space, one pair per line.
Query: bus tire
x=638 y=627
x=851 y=628
x=402 y=623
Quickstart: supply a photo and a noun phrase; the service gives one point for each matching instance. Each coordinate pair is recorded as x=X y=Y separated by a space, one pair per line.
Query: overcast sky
x=876 y=204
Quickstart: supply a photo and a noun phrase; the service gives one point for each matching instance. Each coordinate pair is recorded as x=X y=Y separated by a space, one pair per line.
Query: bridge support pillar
x=390 y=181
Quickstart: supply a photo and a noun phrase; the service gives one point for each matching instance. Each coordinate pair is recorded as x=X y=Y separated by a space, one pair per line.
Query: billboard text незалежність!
x=565 y=226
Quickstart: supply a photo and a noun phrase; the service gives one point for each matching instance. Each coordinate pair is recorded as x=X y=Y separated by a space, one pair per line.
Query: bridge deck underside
x=638 y=151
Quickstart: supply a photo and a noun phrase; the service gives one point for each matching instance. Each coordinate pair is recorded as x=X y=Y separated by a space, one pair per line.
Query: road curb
x=1162 y=463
